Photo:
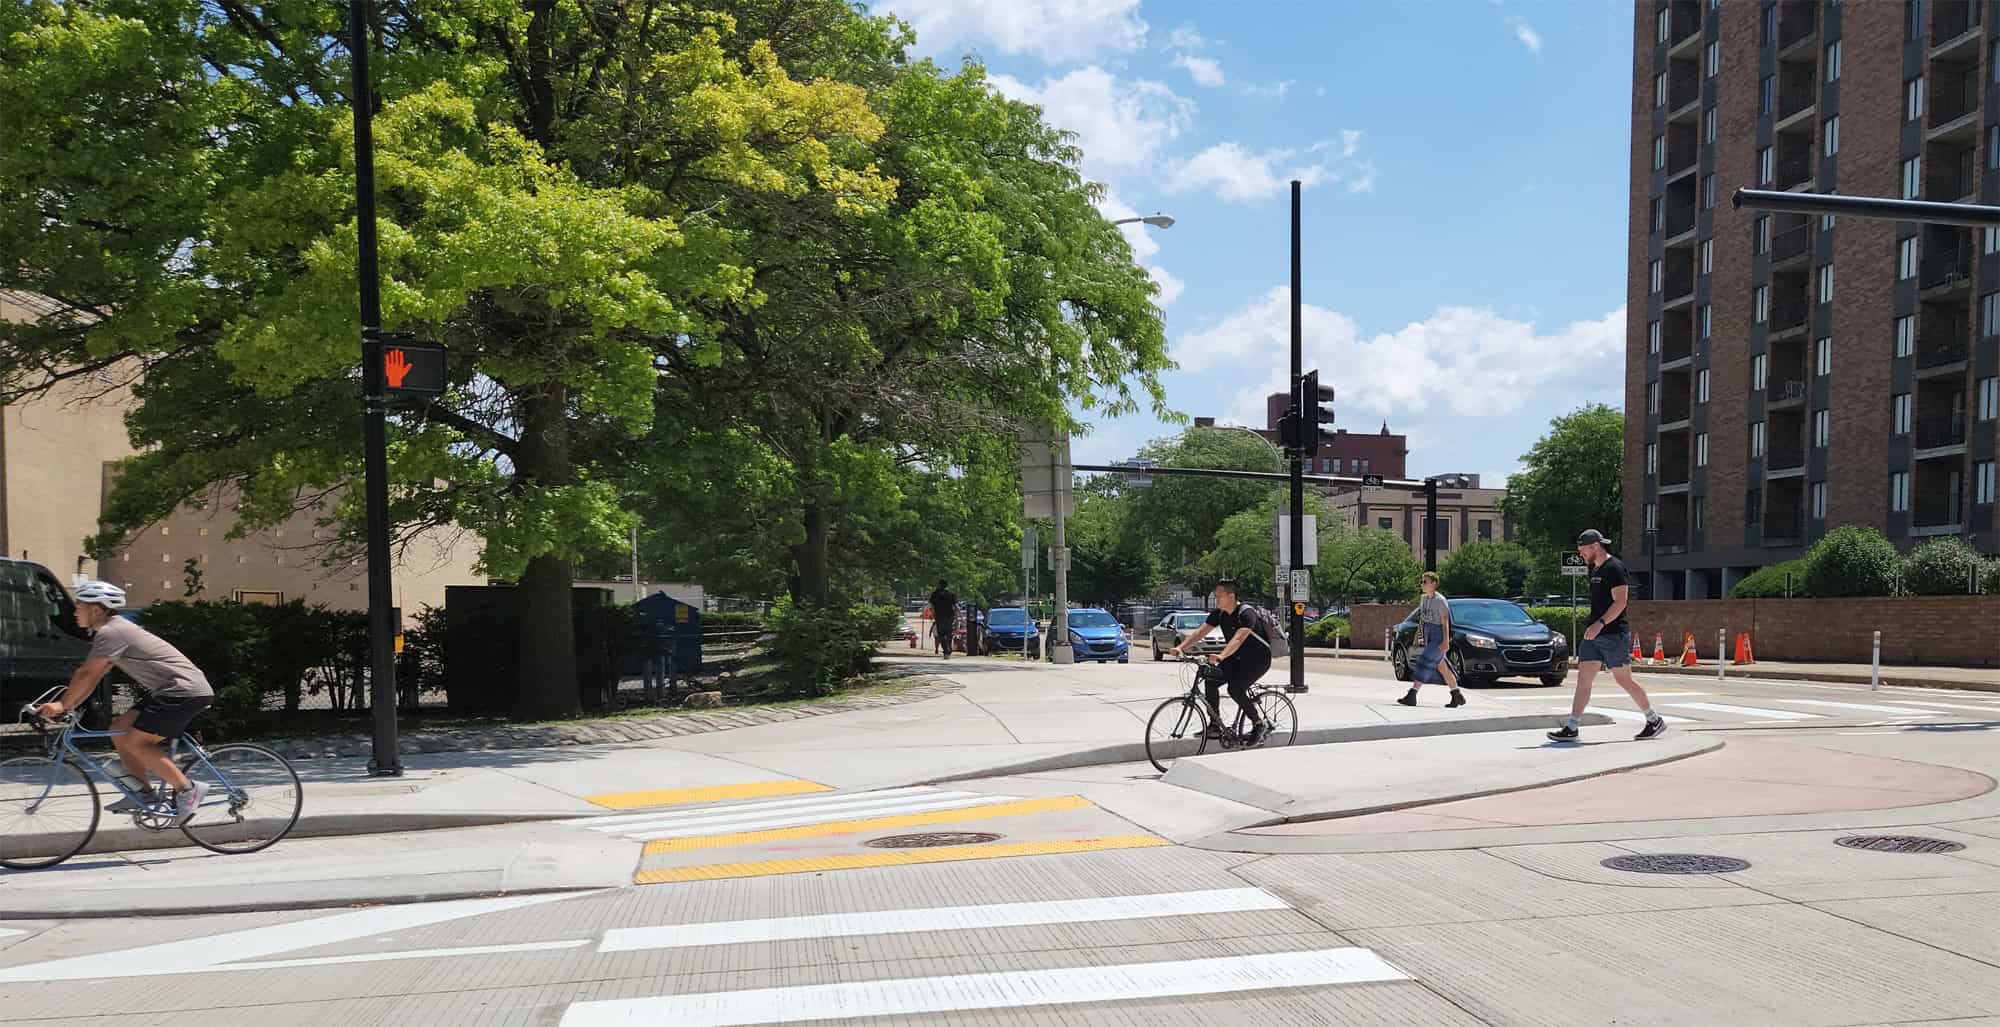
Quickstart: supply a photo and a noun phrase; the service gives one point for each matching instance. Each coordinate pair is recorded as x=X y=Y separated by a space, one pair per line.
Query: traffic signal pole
x=385 y=761
x=1300 y=402
x=1430 y=524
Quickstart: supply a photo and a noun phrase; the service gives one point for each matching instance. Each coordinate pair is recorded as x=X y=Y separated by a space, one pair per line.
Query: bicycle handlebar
x=40 y=723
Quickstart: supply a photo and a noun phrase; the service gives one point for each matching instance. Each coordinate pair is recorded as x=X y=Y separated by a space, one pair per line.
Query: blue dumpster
x=679 y=627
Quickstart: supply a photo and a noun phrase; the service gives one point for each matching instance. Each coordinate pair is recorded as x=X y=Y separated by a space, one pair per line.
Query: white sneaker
x=187 y=802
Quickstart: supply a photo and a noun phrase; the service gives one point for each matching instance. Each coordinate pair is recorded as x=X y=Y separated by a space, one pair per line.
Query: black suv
x=1490 y=639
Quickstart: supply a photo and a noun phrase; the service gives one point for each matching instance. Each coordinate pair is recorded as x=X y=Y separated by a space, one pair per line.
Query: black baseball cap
x=1590 y=537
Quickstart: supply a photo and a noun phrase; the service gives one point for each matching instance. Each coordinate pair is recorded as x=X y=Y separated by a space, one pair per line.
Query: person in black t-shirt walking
x=944 y=617
x=1607 y=641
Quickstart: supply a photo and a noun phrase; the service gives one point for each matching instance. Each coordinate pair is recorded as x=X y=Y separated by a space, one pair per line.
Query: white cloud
x=1170 y=285
x=1204 y=70
x=1525 y=33
x=1119 y=123
x=1237 y=174
x=1465 y=361
x=1186 y=37
x=1057 y=31
x=1273 y=90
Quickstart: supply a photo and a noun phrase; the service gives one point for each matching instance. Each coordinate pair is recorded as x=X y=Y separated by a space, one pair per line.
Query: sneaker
x=1409 y=698
x=187 y=802
x=1457 y=699
x=1256 y=735
x=1655 y=727
x=128 y=805
x=1565 y=734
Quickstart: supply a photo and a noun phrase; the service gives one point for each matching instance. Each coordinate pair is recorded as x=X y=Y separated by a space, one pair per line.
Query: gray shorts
x=1613 y=649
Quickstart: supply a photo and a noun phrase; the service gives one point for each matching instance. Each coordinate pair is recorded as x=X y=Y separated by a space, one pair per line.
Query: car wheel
x=1158 y=656
x=1124 y=659
x=1399 y=662
x=1554 y=680
x=1457 y=664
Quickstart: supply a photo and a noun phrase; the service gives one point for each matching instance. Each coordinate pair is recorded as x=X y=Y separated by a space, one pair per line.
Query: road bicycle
x=50 y=807
x=1178 y=728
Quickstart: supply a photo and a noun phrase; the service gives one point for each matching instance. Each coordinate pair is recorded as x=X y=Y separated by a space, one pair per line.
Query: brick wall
x=1638 y=236
x=1939 y=630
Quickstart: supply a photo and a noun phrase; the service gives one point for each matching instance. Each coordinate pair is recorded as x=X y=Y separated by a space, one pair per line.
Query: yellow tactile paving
x=836 y=827
x=709 y=793
x=893 y=858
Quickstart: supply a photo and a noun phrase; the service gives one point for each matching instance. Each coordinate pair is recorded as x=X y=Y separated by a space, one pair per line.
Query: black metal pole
x=1430 y=524
x=1210 y=472
x=381 y=641
x=1296 y=608
x=1931 y=212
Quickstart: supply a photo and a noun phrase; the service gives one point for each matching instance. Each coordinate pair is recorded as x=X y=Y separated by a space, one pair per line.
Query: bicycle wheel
x=1282 y=718
x=254 y=798
x=48 y=811
x=1178 y=728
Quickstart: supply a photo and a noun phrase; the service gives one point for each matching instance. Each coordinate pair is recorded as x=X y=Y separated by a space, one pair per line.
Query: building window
x=1708 y=192
x=1652 y=517
x=1906 y=257
x=1714 y=59
x=1701 y=385
x=1659 y=152
x=1833 y=61
x=1819 y=500
x=1906 y=335
x=1707 y=320
x=1386 y=523
x=1652 y=337
x=1821 y=424
x=1701 y=449
x=1753 y=506
x=1826 y=283
x=1826 y=222
x=1989 y=313
x=1756 y=439
x=1653 y=398
x=1992 y=240
x=1832 y=135
x=1486 y=531
x=1823 y=356
x=1993 y=147
x=1659 y=214
x=1652 y=458
x=1982 y=473
x=1767 y=92
x=1913 y=99
x=1660 y=90
x=1899 y=414
x=1757 y=371
x=1899 y=492
x=1336 y=465
x=1700 y=509
x=1665 y=22
x=1761 y=304
x=1764 y=234
x=1766 y=169
x=1989 y=398
x=1913 y=19
x=1913 y=177
x=1770 y=37
x=1657 y=280
x=1708 y=126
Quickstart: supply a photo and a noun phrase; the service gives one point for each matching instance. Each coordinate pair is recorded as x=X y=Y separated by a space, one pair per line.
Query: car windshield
x=1190 y=620
x=1491 y=614
x=1091 y=619
x=1007 y=618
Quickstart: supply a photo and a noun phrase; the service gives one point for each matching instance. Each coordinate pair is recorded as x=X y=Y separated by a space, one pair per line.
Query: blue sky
x=1466 y=165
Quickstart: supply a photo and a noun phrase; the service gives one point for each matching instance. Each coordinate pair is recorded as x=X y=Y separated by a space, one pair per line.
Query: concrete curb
x=332 y=825
x=1135 y=752
x=119 y=902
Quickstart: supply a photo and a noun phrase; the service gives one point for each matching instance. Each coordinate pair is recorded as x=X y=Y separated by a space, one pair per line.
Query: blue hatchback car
x=1008 y=630
x=1097 y=636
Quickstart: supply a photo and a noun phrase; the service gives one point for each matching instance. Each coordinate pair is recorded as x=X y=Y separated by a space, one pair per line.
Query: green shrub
x=1559 y=617
x=1851 y=561
x=731 y=619
x=263 y=659
x=822 y=646
x=1771 y=582
x=1941 y=567
x=1989 y=579
x=1492 y=570
x=1321 y=633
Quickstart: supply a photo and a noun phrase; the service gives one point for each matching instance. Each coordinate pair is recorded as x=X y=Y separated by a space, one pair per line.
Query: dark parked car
x=1008 y=630
x=40 y=643
x=1490 y=639
x=1175 y=626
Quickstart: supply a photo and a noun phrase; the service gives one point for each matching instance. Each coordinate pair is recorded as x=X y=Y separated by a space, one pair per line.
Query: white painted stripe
x=1617 y=714
x=1868 y=732
x=823 y=810
x=738 y=824
x=198 y=954
x=5 y=931
x=1847 y=706
x=384 y=957
x=1991 y=711
x=948 y=918
x=1746 y=711
x=1069 y=986
x=1657 y=695
x=817 y=798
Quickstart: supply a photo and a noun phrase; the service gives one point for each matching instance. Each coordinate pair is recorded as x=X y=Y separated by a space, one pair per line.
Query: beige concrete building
x=58 y=455
x=1469 y=514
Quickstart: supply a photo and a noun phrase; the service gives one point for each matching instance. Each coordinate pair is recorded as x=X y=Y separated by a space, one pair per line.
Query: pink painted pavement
x=1745 y=778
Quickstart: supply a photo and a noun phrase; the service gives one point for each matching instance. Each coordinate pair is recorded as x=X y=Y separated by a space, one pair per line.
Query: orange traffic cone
x=1637 y=653
x=1659 y=650
x=1744 y=653
x=1688 y=657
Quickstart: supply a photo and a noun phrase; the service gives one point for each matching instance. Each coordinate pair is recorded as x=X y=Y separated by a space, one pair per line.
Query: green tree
x=1851 y=561
x=1355 y=562
x=1183 y=514
x=1570 y=480
x=1110 y=559
x=1492 y=570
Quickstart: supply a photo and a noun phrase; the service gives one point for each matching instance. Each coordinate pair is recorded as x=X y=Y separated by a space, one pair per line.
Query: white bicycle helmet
x=103 y=593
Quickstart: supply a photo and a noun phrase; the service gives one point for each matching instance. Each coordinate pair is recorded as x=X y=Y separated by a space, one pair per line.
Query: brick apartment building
x=1763 y=404
x=1349 y=453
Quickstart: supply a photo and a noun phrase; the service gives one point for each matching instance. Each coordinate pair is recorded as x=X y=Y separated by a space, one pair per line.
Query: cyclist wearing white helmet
x=176 y=692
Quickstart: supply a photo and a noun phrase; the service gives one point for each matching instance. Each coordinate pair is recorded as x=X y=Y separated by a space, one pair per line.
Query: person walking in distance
x=1607 y=640
x=944 y=616
x=1433 y=665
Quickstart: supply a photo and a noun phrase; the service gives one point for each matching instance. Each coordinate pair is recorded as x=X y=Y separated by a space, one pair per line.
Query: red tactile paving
x=1745 y=778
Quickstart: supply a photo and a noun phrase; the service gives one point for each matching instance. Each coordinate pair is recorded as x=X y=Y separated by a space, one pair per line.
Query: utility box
x=679 y=629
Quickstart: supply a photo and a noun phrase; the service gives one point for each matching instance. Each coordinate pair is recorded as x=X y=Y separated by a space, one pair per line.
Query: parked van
x=40 y=644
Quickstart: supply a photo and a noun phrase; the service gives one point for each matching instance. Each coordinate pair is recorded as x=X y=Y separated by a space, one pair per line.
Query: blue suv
x=1097 y=636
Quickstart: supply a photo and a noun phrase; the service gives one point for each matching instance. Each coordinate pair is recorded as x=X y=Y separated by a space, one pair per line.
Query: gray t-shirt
x=1434 y=609
x=153 y=665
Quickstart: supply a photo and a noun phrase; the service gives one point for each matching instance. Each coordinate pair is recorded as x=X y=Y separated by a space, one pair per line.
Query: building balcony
x=1937 y=495
x=1949 y=268
x=1944 y=352
x=1954 y=25
x=1787 y=318
x=1793 y=243
x=1951 y=171
x=1794 y=171
x=1797 y=23
x=1684 y=24
x=1941 y=431
x=1788 y=390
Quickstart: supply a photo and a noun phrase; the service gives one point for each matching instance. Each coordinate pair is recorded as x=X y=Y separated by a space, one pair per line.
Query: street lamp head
x=1159 y=221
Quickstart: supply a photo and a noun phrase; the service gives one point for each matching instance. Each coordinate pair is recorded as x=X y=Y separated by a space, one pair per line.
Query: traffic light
x=1316 y=413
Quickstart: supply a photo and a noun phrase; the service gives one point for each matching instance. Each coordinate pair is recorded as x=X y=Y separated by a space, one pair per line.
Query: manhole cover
x=1897 y=843
x=1675 y=863
x=932 y=840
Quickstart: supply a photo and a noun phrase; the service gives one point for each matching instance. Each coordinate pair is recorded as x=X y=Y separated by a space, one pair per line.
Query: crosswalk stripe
x=1991 y=711
x=947 y=918
x=1617 y=714
x=617 y=820
x=710 y=793
x=980 y=811
x=1005 y=990
x=893 y=858
x=1745 y=711
x=1847 y=706
x=689 y=829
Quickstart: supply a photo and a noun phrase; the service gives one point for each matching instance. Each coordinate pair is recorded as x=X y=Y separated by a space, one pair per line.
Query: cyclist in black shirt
x=1607 y=641
x=1244 y=659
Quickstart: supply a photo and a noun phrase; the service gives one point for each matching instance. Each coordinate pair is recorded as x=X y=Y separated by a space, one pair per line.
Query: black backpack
x=1268 y=630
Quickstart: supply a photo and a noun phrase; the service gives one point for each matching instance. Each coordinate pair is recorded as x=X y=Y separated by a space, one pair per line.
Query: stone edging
x=600 y=732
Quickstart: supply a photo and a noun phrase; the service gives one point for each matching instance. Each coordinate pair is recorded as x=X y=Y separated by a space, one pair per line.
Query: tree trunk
x=546 y=643
x=811 y=556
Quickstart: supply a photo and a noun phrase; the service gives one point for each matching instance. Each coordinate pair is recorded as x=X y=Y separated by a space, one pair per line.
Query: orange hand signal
x=396 y=367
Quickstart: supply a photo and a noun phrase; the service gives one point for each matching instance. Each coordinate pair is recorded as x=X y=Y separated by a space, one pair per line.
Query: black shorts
x=169 y=716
